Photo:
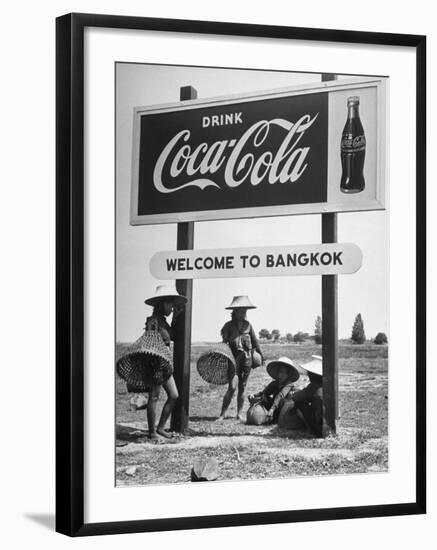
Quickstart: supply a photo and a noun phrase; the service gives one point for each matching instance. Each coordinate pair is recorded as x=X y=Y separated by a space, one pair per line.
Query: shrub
x=275 y=334
x=381 y=338
x=299 y=337
x=264 y=334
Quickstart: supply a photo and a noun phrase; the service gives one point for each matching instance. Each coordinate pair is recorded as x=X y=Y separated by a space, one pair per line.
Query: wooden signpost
x=329 y=325
x=182 y=345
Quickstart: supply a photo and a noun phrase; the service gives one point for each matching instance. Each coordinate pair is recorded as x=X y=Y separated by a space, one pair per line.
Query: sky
x=289 y=304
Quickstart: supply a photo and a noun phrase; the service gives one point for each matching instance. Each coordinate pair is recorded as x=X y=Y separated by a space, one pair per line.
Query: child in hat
x=284 y=373
x=239 y=334
x=165 y=301
x=309 y=401
x=147 y=364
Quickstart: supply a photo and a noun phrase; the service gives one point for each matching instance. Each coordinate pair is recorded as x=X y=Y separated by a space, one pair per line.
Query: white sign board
x=315 y=259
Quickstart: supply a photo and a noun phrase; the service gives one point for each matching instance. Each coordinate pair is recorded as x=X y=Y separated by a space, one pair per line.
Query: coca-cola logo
x=236 y=155
x=198 y=163
x=357 y=142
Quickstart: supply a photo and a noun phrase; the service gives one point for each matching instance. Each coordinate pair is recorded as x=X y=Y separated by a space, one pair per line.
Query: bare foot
x=153 y=436
x=164 y=433
x=220 y=418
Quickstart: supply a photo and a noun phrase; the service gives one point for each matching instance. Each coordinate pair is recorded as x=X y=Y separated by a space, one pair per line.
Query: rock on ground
x=204 y=469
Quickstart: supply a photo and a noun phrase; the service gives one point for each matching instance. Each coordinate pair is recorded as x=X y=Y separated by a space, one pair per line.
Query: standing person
x=147 y=364
x=239 y=334
x=165 y=301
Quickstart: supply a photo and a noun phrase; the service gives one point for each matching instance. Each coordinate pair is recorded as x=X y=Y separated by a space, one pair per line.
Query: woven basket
x=148 y=361
x=216 y=366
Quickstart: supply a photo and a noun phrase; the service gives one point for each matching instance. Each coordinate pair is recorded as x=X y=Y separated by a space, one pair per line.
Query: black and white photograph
x=215 y=279
x=240 y=274
x=251 y=274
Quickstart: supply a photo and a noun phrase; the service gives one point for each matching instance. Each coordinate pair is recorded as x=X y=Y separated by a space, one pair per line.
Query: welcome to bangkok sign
x=237 y=157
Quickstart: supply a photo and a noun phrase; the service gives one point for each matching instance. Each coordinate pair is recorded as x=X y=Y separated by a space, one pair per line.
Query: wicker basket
x=217 y=365
x=148 y=361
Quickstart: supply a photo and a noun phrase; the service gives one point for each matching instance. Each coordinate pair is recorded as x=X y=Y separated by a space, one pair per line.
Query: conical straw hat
x=165 y=293
x=241 y=301
x=148 y=361
x=293 y=368
x=217 y=365
x=315 y=365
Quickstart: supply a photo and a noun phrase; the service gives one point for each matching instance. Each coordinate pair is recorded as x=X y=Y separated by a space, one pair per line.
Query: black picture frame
x=70 y=273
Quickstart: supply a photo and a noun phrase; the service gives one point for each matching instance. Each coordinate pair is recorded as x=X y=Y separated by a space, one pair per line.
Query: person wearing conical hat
x=285 y=373
x=239 y=334
x=309 y=401
x=165 y=301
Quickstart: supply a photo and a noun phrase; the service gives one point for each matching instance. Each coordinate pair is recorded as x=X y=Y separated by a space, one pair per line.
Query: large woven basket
x=148 y=361
x=217 y=365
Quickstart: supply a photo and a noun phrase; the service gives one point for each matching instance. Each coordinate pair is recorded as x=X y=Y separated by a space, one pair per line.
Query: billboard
x=271 y=153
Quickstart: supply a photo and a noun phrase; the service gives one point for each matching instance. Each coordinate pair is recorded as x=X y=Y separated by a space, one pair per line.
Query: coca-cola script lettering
x=285 y=165
x=257 y=153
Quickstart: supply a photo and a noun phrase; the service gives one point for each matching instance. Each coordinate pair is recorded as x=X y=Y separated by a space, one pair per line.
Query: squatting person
x=308 y=402
x=284 y=373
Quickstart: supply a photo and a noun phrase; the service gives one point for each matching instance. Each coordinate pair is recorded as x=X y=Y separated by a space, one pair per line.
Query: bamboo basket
x=148 y=361
x=217 y=365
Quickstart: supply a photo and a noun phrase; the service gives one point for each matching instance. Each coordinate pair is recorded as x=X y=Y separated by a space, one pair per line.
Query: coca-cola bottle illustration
x=353 y=149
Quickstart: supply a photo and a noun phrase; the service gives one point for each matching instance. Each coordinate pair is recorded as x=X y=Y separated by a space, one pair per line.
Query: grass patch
x=261 y=452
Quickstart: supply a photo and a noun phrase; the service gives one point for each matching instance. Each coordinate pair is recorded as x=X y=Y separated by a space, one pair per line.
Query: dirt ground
x=255 y=452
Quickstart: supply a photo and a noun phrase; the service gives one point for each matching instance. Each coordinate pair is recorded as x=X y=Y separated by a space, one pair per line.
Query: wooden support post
x=329 y=325
x=182 y=345
x=330 y=332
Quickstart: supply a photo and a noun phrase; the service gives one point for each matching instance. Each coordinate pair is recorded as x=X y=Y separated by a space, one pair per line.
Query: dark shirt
x=160 y=324
x=240 y=336
x=274 y=394
x=278 y=391
x=314 y=389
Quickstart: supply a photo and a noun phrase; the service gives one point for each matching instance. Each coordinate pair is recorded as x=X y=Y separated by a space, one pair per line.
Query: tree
x=318 y=330
x=358 y=335
x=299 y=337
x=264 y=334
x=289 y=337
x=381 y=338
x=275 y=334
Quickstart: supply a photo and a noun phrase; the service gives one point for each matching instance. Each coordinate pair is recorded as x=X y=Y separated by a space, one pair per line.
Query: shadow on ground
x=46 y=520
